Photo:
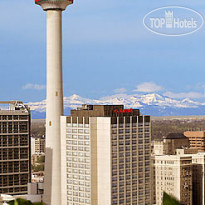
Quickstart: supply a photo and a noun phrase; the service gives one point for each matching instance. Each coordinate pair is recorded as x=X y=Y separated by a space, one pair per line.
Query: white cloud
x=30 y=86
x=120 y=90
x=194 y=95
x=148 y=87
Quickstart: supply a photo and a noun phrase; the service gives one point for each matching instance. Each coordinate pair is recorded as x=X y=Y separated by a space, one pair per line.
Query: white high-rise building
x=105 y=156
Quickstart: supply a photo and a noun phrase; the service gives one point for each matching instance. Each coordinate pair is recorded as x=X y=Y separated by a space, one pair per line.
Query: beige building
x=15 y=170
x=105 y=156
x=164 y=163
x=39 y=145
x=198 y=176
x=169 y=144
x=173 y=174
x=197 y=140
x=32 y=146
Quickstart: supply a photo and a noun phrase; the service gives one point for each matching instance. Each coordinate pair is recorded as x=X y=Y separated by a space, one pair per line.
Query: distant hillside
x=162 y=128
x=37 y=128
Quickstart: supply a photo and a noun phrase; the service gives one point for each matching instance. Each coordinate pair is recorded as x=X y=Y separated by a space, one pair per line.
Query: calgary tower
x=54 y=107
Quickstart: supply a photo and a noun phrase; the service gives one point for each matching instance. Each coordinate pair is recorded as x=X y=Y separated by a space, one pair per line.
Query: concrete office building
x=196 y=139
x=105 y=156
x=15 y=170
x=54 y=102
x=173 y=174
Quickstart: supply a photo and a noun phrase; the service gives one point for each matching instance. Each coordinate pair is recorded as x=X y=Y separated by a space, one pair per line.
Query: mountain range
x=149 y=104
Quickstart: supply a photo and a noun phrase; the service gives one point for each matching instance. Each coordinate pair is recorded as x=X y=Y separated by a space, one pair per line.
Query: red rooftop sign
x=123 y=111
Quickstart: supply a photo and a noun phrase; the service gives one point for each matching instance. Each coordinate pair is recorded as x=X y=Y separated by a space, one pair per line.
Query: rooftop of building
x=104 y=111
x=171 y=157
x=7 y=107
x=112 y=111
x=175 y=136
x=194 y=132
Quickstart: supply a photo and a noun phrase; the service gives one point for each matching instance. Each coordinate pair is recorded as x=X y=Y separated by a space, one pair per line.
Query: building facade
x=15 y=170
x=173 y=175
x=198 y=173
x=105 y=156
x=39 y=145
x=198 y=161
x=197 y=140
x=32 y=146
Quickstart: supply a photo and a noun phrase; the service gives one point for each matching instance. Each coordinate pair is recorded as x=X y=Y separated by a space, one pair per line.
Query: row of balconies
x=13 y=182
x=14 y=117
x=10 y=190
x=16 y=131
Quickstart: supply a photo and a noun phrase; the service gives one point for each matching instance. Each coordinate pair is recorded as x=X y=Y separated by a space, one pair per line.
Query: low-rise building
x=196 y=139
x=37 y=145
x=40 y=145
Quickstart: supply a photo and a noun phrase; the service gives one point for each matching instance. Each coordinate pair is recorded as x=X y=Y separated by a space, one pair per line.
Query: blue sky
x=106 y=50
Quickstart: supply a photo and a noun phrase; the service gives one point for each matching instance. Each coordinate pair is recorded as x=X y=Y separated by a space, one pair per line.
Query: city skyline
x=102 y=153
x=171 y=65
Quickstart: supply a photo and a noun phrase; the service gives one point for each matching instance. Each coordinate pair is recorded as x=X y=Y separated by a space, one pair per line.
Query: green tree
x=169 y=200
x=39 y=167
x=20 y=201
x=41 y=159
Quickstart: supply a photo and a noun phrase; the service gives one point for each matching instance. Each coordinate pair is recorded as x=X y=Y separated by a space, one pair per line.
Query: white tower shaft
x=54 y=108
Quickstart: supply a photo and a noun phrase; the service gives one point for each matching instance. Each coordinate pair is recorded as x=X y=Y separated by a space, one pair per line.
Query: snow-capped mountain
x=152 y=104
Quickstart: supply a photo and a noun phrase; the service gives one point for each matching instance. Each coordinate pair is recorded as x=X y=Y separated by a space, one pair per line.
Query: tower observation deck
x=53 y=4
x=54 y=101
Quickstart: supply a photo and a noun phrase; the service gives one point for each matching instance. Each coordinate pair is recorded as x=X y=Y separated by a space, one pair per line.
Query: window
x=80 y=131
x=87 y=131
